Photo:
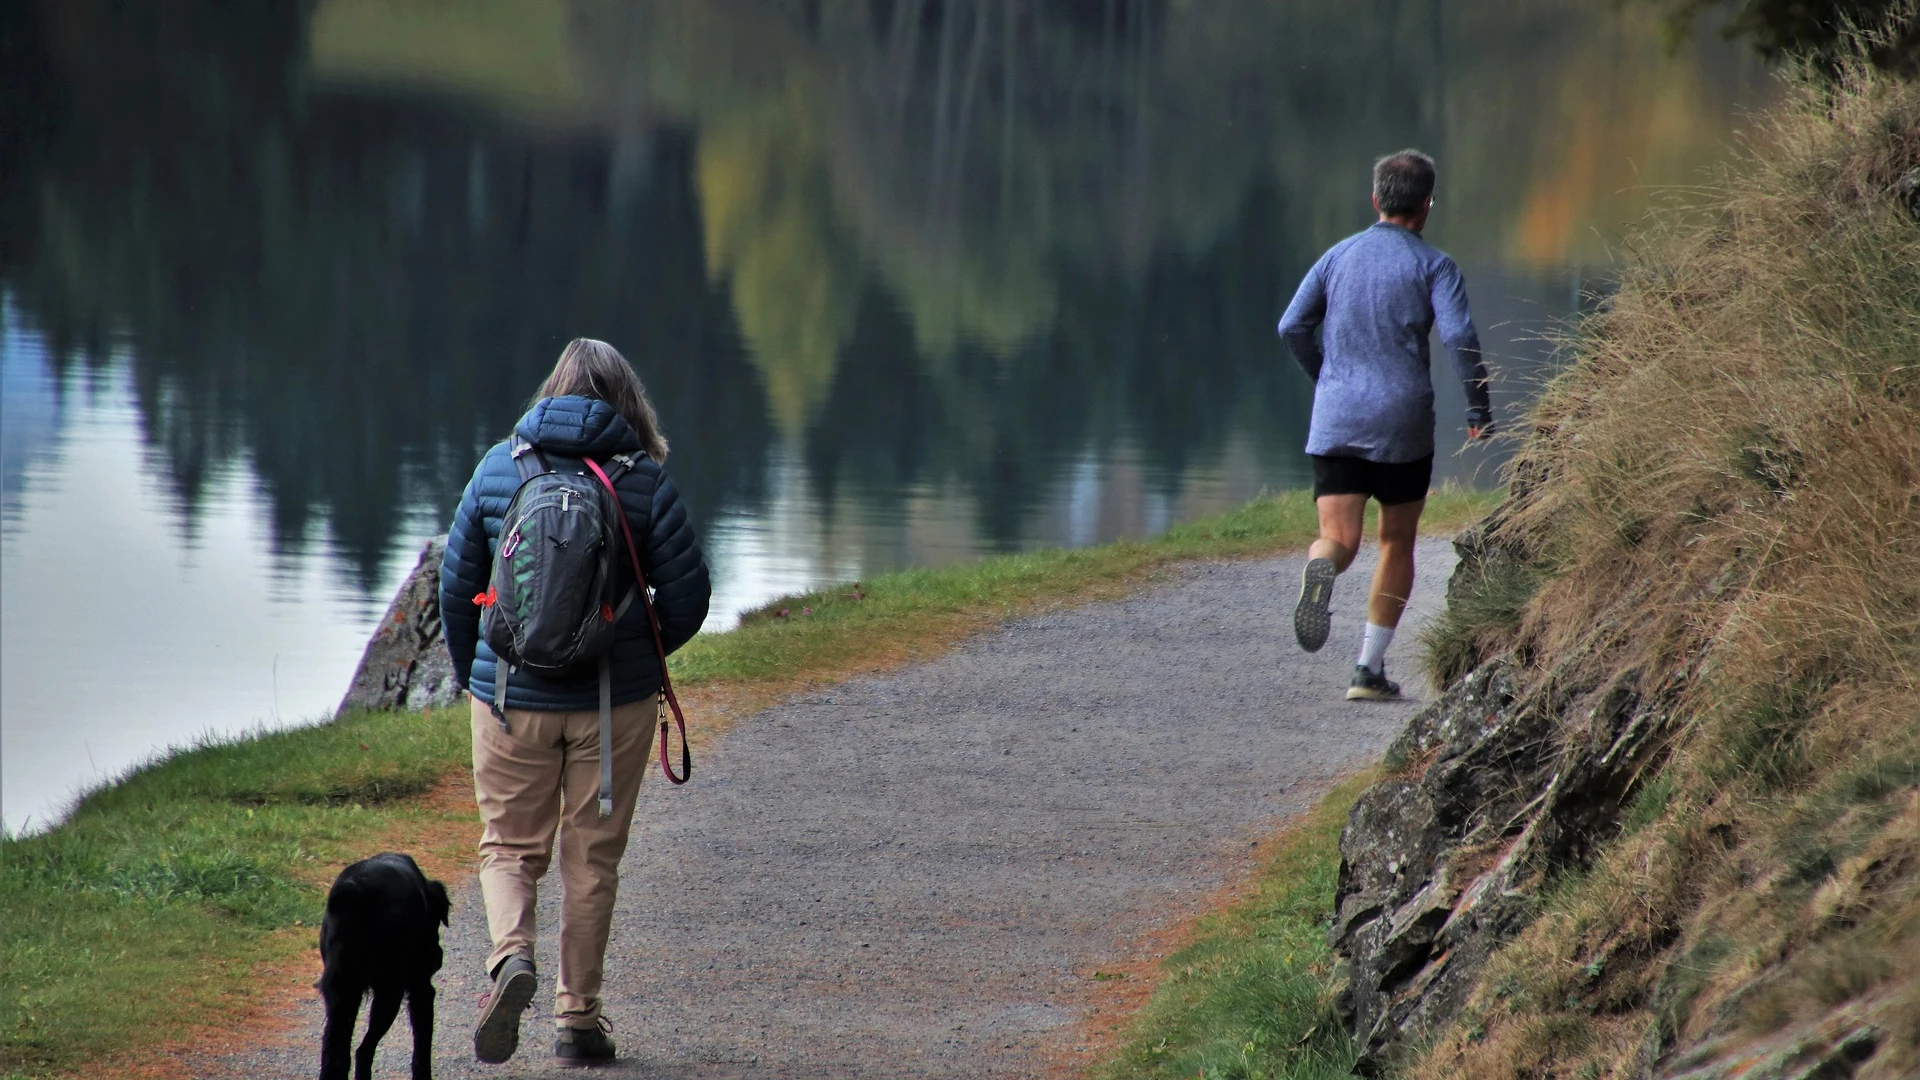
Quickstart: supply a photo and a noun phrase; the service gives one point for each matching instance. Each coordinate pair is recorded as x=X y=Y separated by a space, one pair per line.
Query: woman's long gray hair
x=595 y=369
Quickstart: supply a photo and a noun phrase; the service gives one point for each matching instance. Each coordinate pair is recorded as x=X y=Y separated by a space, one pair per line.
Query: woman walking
x=537 y=752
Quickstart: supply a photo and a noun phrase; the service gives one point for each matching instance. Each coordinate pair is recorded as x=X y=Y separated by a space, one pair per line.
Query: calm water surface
x=910 y=282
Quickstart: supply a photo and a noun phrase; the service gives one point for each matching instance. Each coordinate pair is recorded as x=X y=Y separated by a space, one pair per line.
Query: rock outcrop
x=1493 y=794
x=406 y=664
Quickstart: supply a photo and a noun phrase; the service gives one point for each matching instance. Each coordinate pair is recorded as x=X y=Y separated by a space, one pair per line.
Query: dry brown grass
x=1724 y=489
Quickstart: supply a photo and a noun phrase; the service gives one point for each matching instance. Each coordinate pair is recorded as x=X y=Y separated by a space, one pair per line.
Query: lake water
x=910 y=282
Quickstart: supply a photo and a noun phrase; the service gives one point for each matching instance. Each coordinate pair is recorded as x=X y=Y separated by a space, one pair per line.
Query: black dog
x=381 y=934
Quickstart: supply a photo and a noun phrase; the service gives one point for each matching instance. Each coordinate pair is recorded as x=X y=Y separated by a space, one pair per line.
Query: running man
x=1378 y=295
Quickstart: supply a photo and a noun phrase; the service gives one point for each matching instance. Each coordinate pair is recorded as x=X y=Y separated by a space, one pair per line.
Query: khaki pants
x=543 y=772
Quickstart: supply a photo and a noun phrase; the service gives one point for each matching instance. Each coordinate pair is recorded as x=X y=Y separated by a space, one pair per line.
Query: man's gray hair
x=1403 y=182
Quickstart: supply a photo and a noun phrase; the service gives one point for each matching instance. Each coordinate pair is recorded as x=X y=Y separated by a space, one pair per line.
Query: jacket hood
x=577 y=427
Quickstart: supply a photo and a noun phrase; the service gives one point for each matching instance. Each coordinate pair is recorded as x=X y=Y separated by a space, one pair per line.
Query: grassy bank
x=151 y=914
x=1249 y=995
x=1721 y=508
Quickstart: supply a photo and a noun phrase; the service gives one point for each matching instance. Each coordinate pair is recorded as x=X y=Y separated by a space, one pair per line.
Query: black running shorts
x=1391 y=483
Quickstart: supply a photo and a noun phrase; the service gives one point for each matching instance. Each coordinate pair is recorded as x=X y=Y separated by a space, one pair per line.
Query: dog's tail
x=345 y=930
x=347 y=898
x=360 y=912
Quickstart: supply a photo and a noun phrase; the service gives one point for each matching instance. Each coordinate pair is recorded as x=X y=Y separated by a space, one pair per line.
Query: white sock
x=1373 y=648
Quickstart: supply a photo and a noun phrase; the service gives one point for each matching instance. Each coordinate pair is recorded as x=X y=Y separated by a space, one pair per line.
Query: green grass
x=152 y=906
x=1476 y=621
x=147 y=908
x=1250 y=997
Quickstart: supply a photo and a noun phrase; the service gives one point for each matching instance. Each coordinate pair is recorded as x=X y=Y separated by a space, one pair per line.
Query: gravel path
x=916 y=874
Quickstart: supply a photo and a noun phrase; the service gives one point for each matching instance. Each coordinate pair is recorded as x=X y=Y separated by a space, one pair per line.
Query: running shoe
x=1313 y=615
x=1366 y=686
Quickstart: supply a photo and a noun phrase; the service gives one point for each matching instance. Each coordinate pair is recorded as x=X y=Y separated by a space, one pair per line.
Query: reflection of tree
x=792 y=277
x=352 y=293
x=1173 y=363
x=1603 y=128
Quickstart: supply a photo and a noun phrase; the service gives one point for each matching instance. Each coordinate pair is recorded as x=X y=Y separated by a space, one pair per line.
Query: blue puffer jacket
x=669 y=556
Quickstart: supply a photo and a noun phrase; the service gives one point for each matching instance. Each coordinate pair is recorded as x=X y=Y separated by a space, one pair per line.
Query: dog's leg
x=386 y=1006
x=420 y=1016
x=336 y=1040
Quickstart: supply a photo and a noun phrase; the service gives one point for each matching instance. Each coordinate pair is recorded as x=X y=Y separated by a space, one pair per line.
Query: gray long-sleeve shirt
x=1379 y=294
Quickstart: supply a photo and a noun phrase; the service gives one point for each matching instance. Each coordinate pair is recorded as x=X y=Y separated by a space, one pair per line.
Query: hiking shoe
x=585 y=1046
x=1313 y=615
x=1366 y=686
x=497 y=1035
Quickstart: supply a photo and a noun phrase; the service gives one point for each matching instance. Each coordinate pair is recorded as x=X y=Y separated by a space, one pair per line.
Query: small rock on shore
x=406 y=665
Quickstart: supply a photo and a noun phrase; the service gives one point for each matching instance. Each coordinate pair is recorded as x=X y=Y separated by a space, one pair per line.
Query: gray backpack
x=551 y=607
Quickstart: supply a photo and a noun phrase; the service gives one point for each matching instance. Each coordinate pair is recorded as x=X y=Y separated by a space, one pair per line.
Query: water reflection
x=910 y=280
x=32 y=416
x=122 y=633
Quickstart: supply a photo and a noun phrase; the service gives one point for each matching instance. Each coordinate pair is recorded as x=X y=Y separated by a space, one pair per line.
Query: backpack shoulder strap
x=619 y=465
x=527 y=458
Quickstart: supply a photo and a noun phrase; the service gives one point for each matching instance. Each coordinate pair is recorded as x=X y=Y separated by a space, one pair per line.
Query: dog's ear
x=437 y=903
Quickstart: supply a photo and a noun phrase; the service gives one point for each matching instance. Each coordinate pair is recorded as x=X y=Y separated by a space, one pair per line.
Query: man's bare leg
x=1393 y=578
x=1386 y=602
x=1340 y=520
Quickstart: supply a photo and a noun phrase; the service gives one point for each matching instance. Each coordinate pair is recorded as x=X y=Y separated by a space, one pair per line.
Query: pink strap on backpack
x=659 y=645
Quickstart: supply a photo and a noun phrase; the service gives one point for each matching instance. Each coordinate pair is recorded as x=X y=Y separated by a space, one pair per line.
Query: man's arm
x=1303 y=318
x=1455 y=320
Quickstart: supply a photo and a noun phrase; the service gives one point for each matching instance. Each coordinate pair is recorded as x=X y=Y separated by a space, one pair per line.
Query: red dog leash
x=659 y=646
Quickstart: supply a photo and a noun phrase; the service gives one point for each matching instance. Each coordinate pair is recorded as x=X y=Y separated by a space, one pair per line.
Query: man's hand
x=1476 y=432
